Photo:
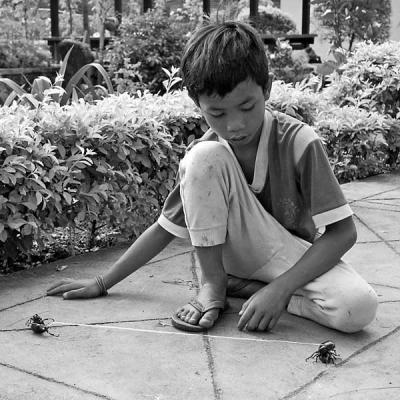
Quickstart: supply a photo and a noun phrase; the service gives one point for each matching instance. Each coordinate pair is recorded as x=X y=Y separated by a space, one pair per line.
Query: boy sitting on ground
x=258 y=200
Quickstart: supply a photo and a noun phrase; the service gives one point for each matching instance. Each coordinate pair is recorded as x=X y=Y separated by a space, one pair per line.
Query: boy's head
x=218 y=57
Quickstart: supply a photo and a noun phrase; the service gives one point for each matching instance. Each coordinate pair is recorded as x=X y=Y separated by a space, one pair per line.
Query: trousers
x=221 y=209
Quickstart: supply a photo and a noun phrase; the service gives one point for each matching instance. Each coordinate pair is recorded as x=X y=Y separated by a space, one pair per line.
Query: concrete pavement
x=123 y=347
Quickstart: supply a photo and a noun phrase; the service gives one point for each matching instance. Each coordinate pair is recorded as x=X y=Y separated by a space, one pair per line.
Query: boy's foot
x=242 y=288
x=201 y=313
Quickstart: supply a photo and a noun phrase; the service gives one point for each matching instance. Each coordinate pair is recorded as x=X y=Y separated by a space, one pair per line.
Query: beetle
x=38 y=325
x=326 y=353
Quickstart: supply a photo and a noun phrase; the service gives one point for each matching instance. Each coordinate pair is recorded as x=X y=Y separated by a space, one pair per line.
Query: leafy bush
x=355 y=141
x=43 y=90
x=347 y=21
x=146 y=44
x=271 y=20
x=298 y=100
x=111 y=163
x=23 y=54
x=371 y=80
x=285 y=66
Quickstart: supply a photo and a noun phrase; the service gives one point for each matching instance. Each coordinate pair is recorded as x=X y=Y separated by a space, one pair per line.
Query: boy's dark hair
x=218 y=57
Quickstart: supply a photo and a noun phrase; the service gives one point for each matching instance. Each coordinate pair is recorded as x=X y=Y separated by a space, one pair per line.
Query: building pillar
x=118 y=10
x=147 y=5
x=206 y=7
x=253 y=9
x=55 y=29
x=305 y=19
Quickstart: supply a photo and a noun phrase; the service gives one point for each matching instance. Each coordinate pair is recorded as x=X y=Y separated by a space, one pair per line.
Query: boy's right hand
x=70 y=289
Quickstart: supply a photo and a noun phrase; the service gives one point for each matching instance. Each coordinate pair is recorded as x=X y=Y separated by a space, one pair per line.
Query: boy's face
x=238 y=116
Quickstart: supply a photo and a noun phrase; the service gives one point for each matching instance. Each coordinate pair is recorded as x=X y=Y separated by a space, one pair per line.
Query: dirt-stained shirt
x=293 y=180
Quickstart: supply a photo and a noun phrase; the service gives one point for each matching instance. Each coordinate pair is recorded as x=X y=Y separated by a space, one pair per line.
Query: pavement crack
x=206 y=340
x=211 y=368
x=363 y=349
x=47 y=379
x=387 y=242
x=385 y=286
x=395 y=210
x=389 y=301
x=371 y=196
x=22 y=303
x=168 y=257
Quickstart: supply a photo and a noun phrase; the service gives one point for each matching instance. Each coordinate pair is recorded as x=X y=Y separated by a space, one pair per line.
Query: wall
x=395 y=20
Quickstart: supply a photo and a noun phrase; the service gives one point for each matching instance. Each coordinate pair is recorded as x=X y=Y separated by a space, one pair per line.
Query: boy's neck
x=249 y=150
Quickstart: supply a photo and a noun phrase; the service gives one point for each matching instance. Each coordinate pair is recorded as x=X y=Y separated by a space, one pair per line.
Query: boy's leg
x=220 y=209
x=213 y=286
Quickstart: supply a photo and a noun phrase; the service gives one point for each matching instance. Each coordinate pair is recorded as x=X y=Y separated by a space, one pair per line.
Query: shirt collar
x=261 y=164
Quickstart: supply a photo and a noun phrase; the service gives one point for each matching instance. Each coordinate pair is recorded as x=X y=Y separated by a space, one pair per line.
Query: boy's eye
x=218 y=115
x=248 y=108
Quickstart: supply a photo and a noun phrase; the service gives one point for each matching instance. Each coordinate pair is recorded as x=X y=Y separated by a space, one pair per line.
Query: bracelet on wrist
x=101 y=285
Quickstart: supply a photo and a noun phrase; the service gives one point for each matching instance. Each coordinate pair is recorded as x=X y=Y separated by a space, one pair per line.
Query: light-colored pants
x=220 y=208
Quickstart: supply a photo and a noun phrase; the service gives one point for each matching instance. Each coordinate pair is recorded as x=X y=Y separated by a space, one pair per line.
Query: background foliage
x=111 y=163
x=348 y=21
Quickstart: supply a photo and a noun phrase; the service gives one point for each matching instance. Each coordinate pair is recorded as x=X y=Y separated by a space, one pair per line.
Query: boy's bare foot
x=210 y=295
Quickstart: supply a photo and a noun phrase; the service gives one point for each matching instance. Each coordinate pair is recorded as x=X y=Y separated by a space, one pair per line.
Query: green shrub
x=298 y=100
x=43 y=90
x=371 y=80
x=355 y=141
x=146 y=44
x=347 y=21
x=271 y=20
x=285 y=66
x=111 y=163
x=23 y=54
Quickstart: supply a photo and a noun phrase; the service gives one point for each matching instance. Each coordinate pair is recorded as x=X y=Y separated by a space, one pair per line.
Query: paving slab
x=373 y=374
x=123 y=347
x=372 y=186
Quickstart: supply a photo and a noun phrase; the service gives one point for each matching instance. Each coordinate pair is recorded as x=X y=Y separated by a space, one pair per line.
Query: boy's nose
x=235 y=124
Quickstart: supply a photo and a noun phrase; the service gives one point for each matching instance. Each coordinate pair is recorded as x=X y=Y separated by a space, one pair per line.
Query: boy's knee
x=356 y=309
x=205 y=158
x=207 y=151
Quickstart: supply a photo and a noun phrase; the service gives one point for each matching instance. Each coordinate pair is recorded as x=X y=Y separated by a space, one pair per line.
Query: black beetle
x=38 y=325
x=326 y=353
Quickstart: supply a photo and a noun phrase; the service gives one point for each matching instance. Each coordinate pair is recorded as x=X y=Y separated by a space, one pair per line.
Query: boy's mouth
x=237 y=139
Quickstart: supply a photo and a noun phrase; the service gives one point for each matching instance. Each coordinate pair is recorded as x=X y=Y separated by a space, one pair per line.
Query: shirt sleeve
x=172 y=217
x=321 y=190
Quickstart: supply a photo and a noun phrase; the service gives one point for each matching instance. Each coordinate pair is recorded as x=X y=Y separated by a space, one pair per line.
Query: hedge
x=114 y=162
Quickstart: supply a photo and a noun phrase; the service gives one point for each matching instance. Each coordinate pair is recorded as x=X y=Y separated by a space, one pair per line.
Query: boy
x=252 y=196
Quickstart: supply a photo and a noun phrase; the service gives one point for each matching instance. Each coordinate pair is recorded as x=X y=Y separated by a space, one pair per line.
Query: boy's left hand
x=263 y=310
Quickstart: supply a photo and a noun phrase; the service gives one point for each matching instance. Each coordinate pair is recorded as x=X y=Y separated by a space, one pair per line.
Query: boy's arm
x=147 y=246
x=264 y=308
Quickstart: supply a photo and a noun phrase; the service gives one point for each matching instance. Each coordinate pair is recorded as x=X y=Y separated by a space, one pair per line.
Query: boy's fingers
x=264 y=324
x=245 y=317
x=244 y=306
x=272 y=323
x=59 y=283
x=80 y=293
x=64 y=288
x=254 y=322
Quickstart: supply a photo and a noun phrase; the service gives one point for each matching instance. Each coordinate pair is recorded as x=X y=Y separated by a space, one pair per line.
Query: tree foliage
x=348 y=21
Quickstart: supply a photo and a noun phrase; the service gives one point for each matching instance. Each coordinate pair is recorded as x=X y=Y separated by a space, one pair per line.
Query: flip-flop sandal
x=186 y=326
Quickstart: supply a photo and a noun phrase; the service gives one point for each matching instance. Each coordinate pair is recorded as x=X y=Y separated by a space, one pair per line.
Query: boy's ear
x=267 y=89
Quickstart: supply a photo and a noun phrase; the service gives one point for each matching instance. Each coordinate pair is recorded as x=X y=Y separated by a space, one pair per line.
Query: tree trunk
x=147 y=5
x=253 y=9
x=70 y=19
x=85 y=15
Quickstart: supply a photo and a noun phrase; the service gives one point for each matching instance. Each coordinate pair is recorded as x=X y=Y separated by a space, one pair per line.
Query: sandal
x=202 y=308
